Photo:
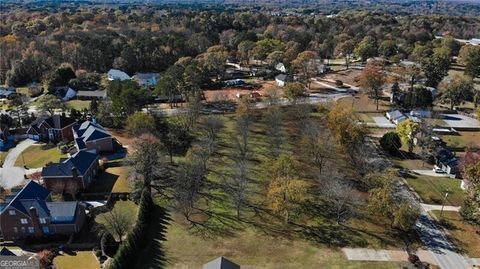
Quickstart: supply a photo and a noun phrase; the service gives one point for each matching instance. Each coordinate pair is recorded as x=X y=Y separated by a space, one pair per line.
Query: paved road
x=15 y=152
x=429 y=172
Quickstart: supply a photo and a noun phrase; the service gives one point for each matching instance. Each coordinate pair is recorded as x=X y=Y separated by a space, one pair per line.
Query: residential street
x=15 y=152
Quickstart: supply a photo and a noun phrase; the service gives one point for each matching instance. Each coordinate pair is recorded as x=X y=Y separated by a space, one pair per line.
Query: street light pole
x=443 y=204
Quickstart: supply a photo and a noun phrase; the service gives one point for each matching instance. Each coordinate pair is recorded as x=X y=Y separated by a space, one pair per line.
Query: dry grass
x=465 y=235
x=79 y=259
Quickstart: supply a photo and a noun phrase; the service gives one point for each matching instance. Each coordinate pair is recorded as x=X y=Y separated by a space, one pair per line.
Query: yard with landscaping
x=432 y=189
x=39 y=155
x=466 y=236
x=76 y=260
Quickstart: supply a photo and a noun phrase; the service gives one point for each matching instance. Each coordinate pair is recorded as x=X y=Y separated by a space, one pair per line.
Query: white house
x=281 y=67
x=281 y=80
x=395 y=116
x=115 y=74
x=146 y=79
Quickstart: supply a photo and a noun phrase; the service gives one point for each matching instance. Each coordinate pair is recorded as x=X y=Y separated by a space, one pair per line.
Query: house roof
x=221 y=263
x=55 y=121
x=281 y=77
x=31 y=191
x=145 y=76
x=101 y=94
x=81 y=161
x=6 y=252
x=115 y=74
x=62 y=212
x=395 y=114
x=89 y=131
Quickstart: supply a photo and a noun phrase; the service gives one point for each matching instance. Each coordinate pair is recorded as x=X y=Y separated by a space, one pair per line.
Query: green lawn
x=251 y=249
x=432 y=189
x=79 y=259
x=464 y=234
x=128 y=207
x=113 y=179
x=38 y=156
x=463 y=140
x=78 y=104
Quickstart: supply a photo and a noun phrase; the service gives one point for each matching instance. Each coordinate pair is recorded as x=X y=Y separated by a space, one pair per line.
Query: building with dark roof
x=29 y=212
x=71 y=175
x=55 y=128
x=221 y=263
x=92 y=136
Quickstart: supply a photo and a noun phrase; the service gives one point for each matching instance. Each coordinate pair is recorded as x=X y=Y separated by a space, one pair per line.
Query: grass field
x=261 y=240
x=78 y=104
x=463 y=140
x=432 y=189
x=37 y=156
x=113 y=179
x=79 y=259
x=465 y=235
x=361 y=103
x=127 y=207
x=252 y=249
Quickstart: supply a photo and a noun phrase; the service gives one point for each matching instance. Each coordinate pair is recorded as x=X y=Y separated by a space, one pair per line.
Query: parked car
x=438 y=170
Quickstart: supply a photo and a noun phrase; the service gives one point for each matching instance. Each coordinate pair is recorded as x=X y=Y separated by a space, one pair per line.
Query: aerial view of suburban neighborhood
x=228 y=134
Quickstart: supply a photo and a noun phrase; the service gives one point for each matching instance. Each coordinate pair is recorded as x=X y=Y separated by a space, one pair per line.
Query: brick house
x=29 y=212
x=71 y=175
x=55 y=128
x=92 y=136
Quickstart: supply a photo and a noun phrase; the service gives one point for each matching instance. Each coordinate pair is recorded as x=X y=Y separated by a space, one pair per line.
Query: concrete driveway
x=15 y=152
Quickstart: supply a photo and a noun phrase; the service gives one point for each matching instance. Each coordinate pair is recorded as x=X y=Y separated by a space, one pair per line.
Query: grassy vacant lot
x=260 y=239
x=432 y=189
x=78 y=104
x=38 y=156
x=113 y=179
x=463 y=140
x=465 y=235
x=252 y=249
x=79 y=259
x=361 y=103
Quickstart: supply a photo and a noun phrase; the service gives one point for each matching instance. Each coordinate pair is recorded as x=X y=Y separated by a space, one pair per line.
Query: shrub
x=391 y=143
x=338 y=82
x=98 y=253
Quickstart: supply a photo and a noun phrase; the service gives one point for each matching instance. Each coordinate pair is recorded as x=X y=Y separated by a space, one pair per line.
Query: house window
x=23 y=221
x=15 y=229
x=12 y=212
x=45 y=229
x=31 y=230
x=43 y=220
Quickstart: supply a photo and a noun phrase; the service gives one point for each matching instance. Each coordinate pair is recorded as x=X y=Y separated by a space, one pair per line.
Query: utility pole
x=444 y=200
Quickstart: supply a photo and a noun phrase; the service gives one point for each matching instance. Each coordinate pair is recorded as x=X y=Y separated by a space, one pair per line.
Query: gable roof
x=281 y=77
x=115 y=74
x=6 y=252
x=62 y=212
x=81 y=161
x=31 y=191
x=90 y=131
x=221 y=263
x=55 y=121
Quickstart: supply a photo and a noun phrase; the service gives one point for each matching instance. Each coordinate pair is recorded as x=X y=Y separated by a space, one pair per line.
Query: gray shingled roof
x=221 y=263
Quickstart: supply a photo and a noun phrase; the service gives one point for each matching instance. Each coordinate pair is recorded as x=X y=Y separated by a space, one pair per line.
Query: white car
x=438 y=170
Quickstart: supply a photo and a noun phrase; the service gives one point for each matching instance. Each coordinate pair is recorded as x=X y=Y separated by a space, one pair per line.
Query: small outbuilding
x=281 y=80
x=221 y=263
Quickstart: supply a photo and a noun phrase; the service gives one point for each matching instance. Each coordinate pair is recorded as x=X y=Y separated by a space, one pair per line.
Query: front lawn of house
x=463 y=140
x=464 y=234
x=432 y=189
x=38 y=156
x=75 y=260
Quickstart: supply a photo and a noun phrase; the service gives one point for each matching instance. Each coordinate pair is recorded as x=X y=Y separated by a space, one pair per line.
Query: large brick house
x=29 y=212
x=71 y=175
x=55 y=128
x=92 y=136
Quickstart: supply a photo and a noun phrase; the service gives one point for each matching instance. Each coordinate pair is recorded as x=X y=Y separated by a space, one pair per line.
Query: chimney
x=74 y=173
x=35 y=221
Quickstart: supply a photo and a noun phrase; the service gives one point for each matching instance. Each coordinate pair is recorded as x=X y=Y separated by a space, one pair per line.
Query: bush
x=391 y=143
x=338 y=82
x=98 y=253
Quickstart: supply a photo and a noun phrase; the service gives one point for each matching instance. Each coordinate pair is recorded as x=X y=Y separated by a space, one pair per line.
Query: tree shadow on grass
x=153 y=255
